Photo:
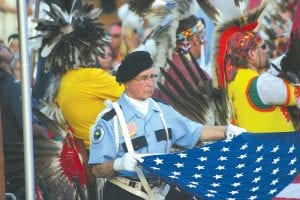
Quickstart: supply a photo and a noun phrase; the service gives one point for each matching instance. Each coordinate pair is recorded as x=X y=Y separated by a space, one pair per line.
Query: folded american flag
x=250 y=166
x=290 y=192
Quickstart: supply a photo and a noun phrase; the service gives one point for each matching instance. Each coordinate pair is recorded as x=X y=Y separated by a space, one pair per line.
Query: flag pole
x=26 y=100
x=33 y=51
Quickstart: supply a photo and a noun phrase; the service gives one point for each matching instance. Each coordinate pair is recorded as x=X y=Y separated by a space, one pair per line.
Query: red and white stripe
x=132 y=128
x=290 y=192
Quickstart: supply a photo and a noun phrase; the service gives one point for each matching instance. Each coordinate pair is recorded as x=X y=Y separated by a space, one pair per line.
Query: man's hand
x=233 y=131
x=128 y=162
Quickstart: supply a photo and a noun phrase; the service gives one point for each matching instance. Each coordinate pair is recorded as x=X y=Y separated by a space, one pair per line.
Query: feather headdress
x=71 y=40
x=163 y=17
x=223 y=32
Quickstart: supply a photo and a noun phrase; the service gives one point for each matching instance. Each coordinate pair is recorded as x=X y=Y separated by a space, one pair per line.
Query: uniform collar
x=129 y=110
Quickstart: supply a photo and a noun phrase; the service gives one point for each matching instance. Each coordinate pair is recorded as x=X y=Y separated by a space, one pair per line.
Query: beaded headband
x=191 y=31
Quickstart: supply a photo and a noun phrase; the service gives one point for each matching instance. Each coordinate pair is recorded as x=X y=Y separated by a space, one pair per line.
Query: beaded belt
x=137 y=184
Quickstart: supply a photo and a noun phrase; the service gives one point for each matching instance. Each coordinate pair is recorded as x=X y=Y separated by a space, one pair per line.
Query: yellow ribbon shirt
x=250 y=111
x=81 y=97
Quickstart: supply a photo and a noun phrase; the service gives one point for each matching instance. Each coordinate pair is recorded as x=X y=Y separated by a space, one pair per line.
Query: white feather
x=149 y=46
x=122 y=11
x=158 y=5
x=63 y=14
x=94 y=13
x=243 y=6
x=129 y=18
x=35 y=43
x=49 y=47
x=227 y=12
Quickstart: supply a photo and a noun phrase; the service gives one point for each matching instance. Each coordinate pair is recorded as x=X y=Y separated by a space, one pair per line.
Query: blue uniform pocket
x=162 y=135
x=137 y=143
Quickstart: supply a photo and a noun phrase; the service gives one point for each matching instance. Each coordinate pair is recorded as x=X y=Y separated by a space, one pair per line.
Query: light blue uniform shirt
x=149 y=133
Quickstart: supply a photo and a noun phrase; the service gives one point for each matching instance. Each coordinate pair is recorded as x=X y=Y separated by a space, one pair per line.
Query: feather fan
x=57 y=160
x=196 y=99
x=50 y=154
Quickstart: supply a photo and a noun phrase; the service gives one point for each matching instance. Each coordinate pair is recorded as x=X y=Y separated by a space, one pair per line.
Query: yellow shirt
x=81 y=97
x=248 y=110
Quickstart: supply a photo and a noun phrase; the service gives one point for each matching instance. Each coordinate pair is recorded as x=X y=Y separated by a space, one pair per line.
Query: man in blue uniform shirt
x=137 y=125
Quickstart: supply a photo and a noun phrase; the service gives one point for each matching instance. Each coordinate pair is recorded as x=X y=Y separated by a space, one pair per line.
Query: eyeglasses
x=146 y=78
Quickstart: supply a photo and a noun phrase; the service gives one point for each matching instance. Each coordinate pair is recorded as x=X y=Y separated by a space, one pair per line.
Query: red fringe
x=71 y=163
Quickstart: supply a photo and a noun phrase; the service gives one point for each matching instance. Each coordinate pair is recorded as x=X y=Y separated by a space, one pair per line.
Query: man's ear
x=251 y=54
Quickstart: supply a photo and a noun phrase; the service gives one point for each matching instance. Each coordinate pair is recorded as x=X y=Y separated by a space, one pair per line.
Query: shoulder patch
x=109 y=115
x=253 y=96
x=97 y=134
x=161 y=101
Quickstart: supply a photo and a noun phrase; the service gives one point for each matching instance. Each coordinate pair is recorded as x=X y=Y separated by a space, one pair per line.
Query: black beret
x=132 y=64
